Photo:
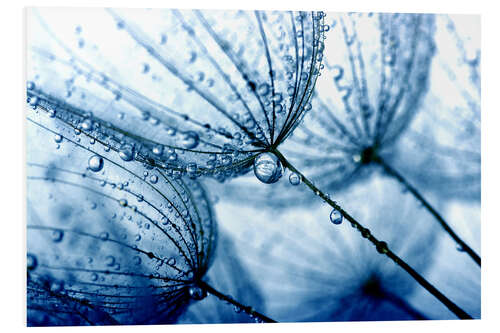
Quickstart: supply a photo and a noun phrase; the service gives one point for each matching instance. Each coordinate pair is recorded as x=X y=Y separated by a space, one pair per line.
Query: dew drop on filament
x=267 y=168
x=336 y=217
x=190 y=140
x=294 y=179
x=96 y=163
x=197 y=293
x=126 y=153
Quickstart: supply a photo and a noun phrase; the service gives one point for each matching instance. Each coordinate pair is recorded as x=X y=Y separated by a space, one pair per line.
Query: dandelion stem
x=463 y=246
x=381 y=246
x=247 y=309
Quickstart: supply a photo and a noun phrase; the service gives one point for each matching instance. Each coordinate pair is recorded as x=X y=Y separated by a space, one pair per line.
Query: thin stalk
x=463 y=246
x=247 y=309
x=405 y=306
x=381 y=246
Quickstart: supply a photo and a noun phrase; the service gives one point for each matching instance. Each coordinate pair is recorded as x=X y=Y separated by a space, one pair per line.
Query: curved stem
x=247 y=309
x=393 y=173
x=405 y=306
x=381 y=246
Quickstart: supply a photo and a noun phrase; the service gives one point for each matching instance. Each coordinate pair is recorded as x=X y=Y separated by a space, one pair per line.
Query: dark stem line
x=463 y=246
x=381 y=246
x=247 y=309
x=404 y=305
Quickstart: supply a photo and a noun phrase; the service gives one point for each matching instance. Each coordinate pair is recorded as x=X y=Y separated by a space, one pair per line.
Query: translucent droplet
x=263 y=89
x=56 y=286
x=158 y=150
x=294 y=179
x=197 y=293
x=31 y=262
x=96 y=163
x=153 y=179
x=123 y=202
x=126 y=152
x=336 y=217
x=94 y=277
x=57 y=236
x=87 y=125
x=58 y=138
x=267 y=168
x=104 y=235
x=190 y=140
x=110 y=260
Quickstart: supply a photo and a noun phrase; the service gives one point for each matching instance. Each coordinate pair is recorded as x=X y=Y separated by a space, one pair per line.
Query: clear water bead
x=336 y=217
x=190 y=140
x=96 y=163
x=267 y=168
x=57 y=236
x=126 y=152
x=197 y=293
x=31 y=262
x=295 y=179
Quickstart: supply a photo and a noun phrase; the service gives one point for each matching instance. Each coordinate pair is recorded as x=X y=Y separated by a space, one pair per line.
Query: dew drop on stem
x=336 y=217
x=267 y=168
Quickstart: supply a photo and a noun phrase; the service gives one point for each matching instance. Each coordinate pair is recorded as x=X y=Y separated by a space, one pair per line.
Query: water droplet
x=263 y=89
x=197 y=293
x=96 y=163
x=104 y=235
x=190 y=140
x=267 y=168
x=153 y=179
x=123 y=202
x=31 y=262
x=336 y=217
x=58 y=138
x=57 y=286
x=126 y=152
x=137 y=237
x=110 y=260
x=295 y=179
x=158 y=150
x=57 y=236
x=171 y=261
x=87 y=125
x=94 y=277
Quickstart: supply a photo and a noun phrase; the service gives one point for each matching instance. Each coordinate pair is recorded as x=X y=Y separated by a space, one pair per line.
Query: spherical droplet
x=110 y=260
x=96 y=163
x=295 y=179
x=58 y=138
x=336 y=217
x=190 y=140
x=57 y=236
x=197 y=293
x=123 y=202
x=56 y=286
x=153 y=179
x=31 y=262
x=126 y=152
x=87 y=125
x=267 y=168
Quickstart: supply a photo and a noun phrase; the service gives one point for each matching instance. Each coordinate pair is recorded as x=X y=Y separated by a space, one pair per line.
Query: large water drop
x=126 y=152
x=96 y=163
x=336 y=217
x=267 y=168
